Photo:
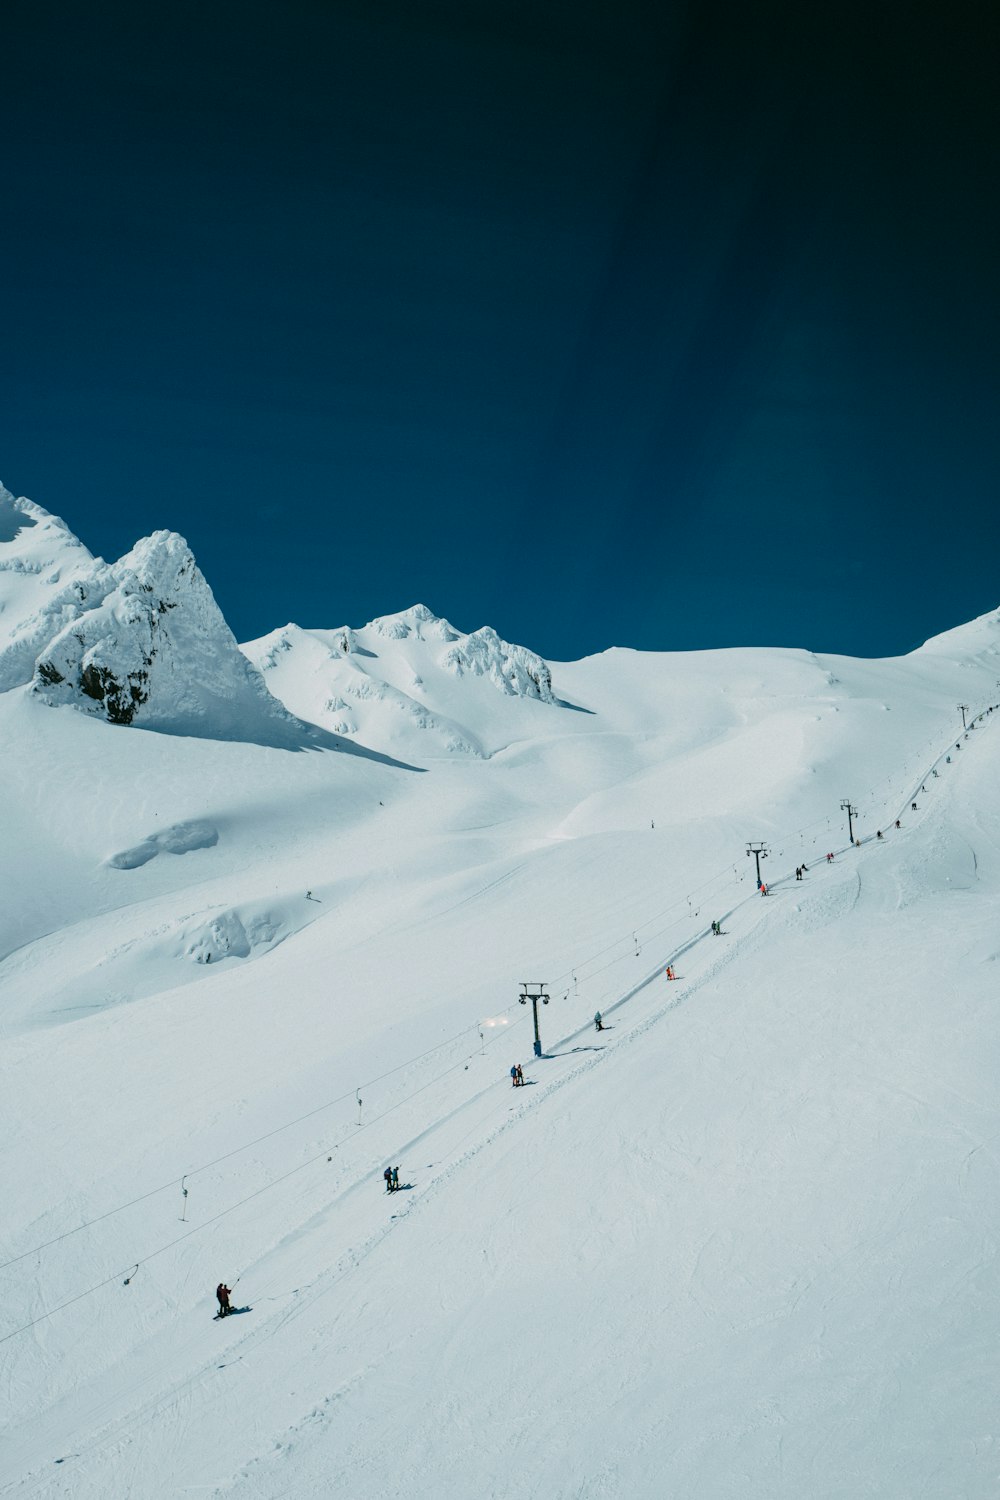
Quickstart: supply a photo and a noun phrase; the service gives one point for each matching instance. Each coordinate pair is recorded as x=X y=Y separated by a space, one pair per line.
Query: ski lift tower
x=759 y=852
x=852 y=812
x=534 y=992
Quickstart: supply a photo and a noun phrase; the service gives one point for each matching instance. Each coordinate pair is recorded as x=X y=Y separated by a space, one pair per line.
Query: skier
x=513 y=1076
x=387 y=1174
x=598 y=1023
x=223 y=1293
x=717 y=928
x=670 y=972
x=395 y=1179
x=798 y=872
x=897 y=822
x=913 y=807
x=878 y=833
x=829 y=859
x=763 y=888
x=520 y=1076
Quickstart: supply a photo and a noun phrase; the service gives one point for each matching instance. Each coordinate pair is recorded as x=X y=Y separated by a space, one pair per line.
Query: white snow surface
x=742 y=1243
x=151 y=647
x=45 y=578
x=407 y=683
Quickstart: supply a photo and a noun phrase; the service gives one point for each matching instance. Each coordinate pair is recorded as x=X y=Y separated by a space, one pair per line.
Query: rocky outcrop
x=513 y=669
x=148 y=645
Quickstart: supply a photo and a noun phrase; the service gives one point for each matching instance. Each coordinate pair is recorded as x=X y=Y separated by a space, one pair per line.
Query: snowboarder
x=387 y=1174
x=223 y=1293
x=598 y=1023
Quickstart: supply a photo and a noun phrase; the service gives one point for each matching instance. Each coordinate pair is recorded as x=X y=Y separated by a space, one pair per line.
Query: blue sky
x=669 y=326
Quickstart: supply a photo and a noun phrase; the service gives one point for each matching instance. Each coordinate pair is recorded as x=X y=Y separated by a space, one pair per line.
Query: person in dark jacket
x=223 y=1293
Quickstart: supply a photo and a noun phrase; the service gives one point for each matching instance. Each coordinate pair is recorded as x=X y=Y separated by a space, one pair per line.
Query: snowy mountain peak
x=417 y=622
x=19 y=514
x=148 y=645
x=404 y=684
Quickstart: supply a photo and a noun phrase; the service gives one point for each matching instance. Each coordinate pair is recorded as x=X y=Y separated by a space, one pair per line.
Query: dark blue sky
x=658 y=325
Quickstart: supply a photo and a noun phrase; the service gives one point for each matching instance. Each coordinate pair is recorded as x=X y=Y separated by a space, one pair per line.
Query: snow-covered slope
x=45 y=577
x=409 y=683
x=740 y=1243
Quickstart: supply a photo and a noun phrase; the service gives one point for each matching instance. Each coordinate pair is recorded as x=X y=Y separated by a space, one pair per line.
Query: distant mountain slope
x=409 y=682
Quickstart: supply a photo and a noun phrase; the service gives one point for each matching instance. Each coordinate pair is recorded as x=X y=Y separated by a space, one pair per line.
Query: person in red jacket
x=223 y=1293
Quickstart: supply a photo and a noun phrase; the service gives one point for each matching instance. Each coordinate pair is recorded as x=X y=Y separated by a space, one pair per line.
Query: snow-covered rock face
x=46 y=577
x=514 y=670
x=142 y=642
x=417 y=623
x=409 y=684
x=147 y=645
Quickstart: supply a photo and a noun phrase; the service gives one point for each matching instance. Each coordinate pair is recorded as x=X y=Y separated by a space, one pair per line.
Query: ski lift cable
x=236 y=1151
x=130 y=1271
x=275 y=1181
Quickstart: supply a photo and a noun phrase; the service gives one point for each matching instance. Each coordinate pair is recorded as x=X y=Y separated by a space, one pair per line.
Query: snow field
x=742 y=1243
